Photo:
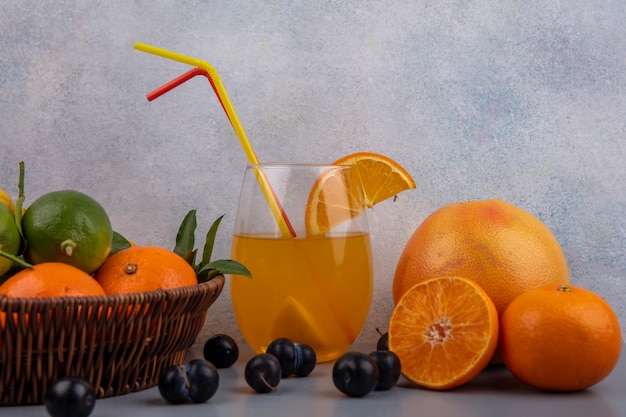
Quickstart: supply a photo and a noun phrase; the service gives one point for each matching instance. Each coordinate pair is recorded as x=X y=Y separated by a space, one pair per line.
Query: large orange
x=144 y=268
x=561 y=338
x=503 y=248
x=445 y=331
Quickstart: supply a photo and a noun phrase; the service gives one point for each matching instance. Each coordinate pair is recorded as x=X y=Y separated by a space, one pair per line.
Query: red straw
x=158 y=92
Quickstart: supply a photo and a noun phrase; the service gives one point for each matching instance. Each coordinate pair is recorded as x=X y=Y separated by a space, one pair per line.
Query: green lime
x=9 y=237
x=67 y=226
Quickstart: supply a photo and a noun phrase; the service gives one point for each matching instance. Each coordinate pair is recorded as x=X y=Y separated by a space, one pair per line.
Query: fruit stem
x=270 y=386
x=68 y=246
x=564 y=288
x=15 y=259
x=186 y=377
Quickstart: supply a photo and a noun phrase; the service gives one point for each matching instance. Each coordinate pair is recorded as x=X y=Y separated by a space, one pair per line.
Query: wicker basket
x=119 y=343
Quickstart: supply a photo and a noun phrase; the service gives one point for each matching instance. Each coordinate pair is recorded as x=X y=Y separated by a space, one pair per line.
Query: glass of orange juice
x=314 y=287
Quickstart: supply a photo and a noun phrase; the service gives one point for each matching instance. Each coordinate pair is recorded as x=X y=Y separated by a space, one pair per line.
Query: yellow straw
x=277 y=211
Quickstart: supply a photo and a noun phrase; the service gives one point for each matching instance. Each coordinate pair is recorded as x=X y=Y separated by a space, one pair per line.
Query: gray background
x=519 y=100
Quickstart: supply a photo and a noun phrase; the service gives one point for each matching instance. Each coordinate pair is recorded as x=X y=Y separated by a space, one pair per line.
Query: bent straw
x=158 y=92
x=329 y=297
x=277 y=211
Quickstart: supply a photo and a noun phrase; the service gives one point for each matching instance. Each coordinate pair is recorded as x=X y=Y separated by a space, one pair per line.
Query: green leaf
x=119 y=243
x=190 y=257
x=210 y=241
x=207 y=275
x=225 y=266
x=206 y=269
x=185 y=239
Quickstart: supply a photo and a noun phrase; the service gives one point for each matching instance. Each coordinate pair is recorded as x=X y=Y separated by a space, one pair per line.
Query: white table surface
x=494 y=393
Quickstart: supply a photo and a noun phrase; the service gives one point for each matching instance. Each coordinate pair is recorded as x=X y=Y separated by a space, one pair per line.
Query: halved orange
x=334 y=198
x=445 y=331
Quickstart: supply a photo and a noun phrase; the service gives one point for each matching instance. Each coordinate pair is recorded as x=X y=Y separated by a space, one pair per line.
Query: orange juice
x=314 y=290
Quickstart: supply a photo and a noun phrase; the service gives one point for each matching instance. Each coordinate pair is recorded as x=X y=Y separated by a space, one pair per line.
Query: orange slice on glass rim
x=331 y=203
x=381 y=176
x=445 y=332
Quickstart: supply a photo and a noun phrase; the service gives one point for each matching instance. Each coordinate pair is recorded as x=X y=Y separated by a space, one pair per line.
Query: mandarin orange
x=51 y=279
x=144 y=268
x=560 y=338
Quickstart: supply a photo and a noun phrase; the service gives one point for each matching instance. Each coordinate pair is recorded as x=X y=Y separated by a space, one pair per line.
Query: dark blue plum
x=355 y=374
x=388 y=369
x=70 y=397
x=197 y=381
x=383 y=341
x=263 y=373
x=294 y=358
x=174 y=385
x=306 y=359
x=204 y=380
x=221 y=350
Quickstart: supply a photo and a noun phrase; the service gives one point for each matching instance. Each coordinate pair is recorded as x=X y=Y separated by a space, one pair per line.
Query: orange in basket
x=50 y=279
x=144 y=268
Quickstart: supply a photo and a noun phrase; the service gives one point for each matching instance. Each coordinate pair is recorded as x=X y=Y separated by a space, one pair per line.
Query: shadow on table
x=496 y=392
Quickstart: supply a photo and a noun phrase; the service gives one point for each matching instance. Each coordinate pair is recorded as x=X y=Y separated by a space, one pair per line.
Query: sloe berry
x=294 y=358
x=355 y=374
x=388 y=369
x=263 y=372
x=70 y=396
x=383 y=341
x=221 y=350
x=197 y=380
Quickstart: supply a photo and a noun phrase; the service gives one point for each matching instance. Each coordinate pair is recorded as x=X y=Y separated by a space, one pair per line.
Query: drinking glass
x=314 y=288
